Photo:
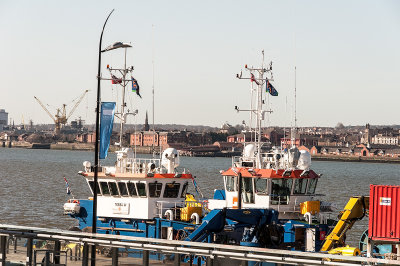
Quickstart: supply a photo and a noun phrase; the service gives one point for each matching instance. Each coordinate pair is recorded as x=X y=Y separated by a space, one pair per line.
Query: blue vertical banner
x=106 y=126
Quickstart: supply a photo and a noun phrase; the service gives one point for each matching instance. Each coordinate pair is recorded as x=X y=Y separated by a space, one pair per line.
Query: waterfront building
x=389 y=140
x=3 y=119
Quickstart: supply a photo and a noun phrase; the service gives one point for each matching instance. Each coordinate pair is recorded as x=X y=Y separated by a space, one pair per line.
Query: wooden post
x=146 y=258
x=29 y=251
x=56 y=255
x=177 y=259
x=114 y=254
x=85 y=255
x=3 y=244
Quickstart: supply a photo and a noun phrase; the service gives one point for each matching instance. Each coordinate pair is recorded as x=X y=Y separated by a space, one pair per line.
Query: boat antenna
x=294 y=129
x=152 y=61
x=153 y=69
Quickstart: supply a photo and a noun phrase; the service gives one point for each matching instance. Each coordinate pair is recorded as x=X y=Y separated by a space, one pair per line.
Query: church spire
x=146 y=126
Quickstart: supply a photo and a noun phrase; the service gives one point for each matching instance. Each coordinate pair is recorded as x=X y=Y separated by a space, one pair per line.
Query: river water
x=33 y=191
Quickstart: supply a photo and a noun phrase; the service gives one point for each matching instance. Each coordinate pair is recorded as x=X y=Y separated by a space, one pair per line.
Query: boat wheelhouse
x=139 y=188
x=281 y=188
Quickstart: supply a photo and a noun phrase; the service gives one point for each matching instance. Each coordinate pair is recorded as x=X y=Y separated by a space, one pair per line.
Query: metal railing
x=203 y=252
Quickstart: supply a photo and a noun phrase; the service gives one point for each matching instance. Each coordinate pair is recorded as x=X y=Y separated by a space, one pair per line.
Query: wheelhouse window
x=312 y=184
x=261 y=186
x=104 y=188
x=113 y=188
x=300 y=185
x=155 y=190
x=123 y=189
x=172 y=190
x=247 y=190
x=280 y=190
x=141 y=188
x=230 y=183
x=132 y=189
x=91 y=184
x=184 y=190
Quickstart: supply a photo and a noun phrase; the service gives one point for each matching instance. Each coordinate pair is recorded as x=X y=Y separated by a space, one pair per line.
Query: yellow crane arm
x=76 y=105
x=44 y=107
x=353 y=211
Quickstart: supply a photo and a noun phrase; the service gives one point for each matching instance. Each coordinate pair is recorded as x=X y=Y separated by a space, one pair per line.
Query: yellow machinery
x=191 y=206
x=345 y=251
x=354 y=210
x=311 y=206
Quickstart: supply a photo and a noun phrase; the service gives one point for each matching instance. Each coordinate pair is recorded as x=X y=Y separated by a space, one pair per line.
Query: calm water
x=33 y=192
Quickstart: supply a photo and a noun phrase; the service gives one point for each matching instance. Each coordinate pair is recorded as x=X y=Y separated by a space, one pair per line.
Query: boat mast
x=123 y=117
x=260 y=82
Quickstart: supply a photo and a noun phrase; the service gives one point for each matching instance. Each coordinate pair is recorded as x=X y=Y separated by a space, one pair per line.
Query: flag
x=106 y=125
x=115 y=80
x=68 y=189
x=252 y=78
x=135 y=86
x=270 y=88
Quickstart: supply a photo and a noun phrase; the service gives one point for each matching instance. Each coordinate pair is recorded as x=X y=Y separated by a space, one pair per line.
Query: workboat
x=268 y=199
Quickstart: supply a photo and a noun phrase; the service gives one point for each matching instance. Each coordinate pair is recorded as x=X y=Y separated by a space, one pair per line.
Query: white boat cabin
x=139 y=188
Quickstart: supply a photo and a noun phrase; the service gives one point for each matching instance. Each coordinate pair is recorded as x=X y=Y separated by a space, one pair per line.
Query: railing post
x=210 y=261
x=3 y=245
x=146 y=258
x=85 y=255
x=114 y=254
x=177 y=259
x=47 y=258
x=56 y=255
x=29 y=251
x=15 y=244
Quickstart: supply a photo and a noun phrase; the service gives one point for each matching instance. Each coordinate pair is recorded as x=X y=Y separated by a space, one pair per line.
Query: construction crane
x=61 y=117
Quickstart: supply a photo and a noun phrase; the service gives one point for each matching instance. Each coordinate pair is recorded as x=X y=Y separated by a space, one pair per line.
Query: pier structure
x=174 y=252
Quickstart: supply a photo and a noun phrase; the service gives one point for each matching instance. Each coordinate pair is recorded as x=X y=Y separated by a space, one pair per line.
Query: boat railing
x=267 y=160
x=163 y=206
x=140 y=165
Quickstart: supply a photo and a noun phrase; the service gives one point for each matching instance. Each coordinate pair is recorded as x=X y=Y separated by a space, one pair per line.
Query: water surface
x=33 y=191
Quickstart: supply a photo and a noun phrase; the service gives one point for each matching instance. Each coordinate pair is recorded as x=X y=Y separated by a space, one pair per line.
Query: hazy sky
x=347 y=55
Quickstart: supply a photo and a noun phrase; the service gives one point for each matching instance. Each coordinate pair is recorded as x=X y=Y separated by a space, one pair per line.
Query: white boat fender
x=196 y=217
x=308 y=217
x=169 y=215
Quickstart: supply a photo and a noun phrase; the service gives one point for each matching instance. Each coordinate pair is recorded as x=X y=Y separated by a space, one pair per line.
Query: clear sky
x=347 y=55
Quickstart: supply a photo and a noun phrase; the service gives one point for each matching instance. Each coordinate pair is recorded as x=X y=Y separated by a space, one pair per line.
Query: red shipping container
x=384 y=213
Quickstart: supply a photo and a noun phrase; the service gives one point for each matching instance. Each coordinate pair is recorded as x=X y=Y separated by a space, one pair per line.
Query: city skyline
x=346 y=56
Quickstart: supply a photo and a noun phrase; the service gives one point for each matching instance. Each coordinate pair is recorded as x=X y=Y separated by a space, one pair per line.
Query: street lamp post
x=96 y=148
